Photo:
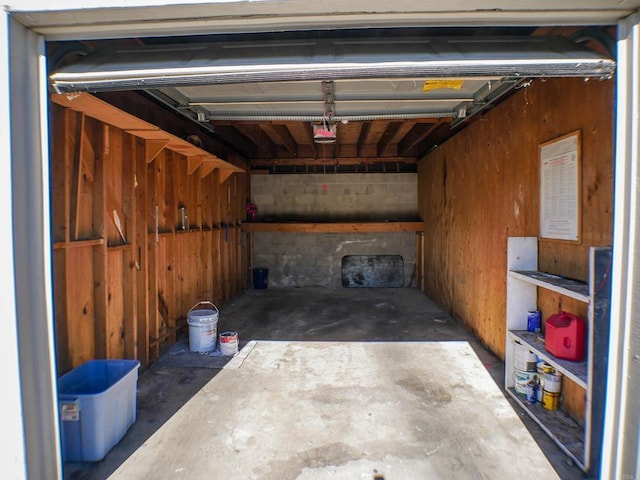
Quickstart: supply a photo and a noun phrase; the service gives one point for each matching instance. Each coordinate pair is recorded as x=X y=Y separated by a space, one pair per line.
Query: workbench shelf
x=576 y=371
x=333 y=227
x=580 y=442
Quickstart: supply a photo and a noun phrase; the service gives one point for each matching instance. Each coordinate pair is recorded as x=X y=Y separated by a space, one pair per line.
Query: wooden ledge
x=341 y=227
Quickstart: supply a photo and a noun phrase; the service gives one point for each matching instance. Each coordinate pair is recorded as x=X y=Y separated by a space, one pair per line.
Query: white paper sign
x=560 y=189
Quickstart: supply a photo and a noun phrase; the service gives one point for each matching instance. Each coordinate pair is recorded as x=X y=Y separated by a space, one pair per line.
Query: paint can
x=540 y=368
x=203 y=327
x=552 y=380
x=550 y=400
x=525 y=359
x=534 y=320
x=229 y=343
x=522 y=378
x=552 y=387
x=532 y=390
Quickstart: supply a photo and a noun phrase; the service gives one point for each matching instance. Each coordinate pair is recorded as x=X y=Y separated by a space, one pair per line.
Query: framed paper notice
x=560 y=204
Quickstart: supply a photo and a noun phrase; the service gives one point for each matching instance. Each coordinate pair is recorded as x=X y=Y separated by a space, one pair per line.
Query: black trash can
x=260 y=278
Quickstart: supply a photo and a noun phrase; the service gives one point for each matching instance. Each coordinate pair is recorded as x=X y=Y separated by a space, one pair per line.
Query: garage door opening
x=221 y=140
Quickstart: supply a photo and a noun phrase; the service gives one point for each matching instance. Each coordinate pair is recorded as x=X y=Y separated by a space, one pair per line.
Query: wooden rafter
x=152 y=148
x=193 y=163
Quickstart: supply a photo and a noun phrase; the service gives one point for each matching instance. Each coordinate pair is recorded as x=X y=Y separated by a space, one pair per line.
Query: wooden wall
x=482 y=186
x=128 y=298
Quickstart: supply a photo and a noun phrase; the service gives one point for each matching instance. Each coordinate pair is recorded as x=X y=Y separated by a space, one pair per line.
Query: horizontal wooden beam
x=340 y=227
x=332 y=161
x=78 y=244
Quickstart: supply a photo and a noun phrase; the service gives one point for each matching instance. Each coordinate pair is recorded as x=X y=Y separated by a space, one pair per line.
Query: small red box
x=565 y=336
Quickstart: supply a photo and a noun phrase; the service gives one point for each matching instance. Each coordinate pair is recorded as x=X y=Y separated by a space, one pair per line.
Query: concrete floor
x=332 y=383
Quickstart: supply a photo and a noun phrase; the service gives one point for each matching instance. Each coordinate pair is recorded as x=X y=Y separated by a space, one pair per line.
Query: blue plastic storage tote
x=97 y=403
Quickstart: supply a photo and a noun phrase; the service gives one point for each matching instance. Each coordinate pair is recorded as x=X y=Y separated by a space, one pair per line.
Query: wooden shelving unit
x=580 y=442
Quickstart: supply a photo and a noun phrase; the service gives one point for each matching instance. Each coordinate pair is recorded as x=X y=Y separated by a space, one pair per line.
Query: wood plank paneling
x=80 y=312
x=115 y=305
x=482 y=187
x=117 y=299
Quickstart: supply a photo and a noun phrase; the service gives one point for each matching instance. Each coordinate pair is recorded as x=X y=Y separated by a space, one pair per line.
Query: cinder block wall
x=336 y=197
x=315 y=259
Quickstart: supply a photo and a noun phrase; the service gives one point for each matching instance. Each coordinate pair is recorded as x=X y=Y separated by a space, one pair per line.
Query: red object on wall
x=252 y=212
x=565 y=336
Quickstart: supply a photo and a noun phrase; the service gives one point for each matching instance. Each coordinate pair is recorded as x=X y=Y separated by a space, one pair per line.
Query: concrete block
x=309 y=180
x=373 y=178
x=260 y=190
x=403 y=188
x=260 y=180
x=376 y=189
x=281 y=200
x=304 y=242
x=293 y=189
x=304 y=199
x=346 y=200
x=265 y=260
x=262 y=200
x=355 y=189
x=314 y=189
x=327 y=260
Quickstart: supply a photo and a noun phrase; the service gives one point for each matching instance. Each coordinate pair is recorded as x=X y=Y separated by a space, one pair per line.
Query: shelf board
x=78 y=243
x=556 y=283
x=576 y=371
x=123 y=246
x=567 y=433
x=334 y=227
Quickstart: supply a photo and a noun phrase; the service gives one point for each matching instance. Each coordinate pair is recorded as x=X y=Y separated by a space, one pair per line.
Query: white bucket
x=525 y=359
x=229 y=343
x=521 y=379
x=203 y=327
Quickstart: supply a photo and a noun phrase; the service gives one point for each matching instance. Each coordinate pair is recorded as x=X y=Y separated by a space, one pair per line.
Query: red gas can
x=565 y=336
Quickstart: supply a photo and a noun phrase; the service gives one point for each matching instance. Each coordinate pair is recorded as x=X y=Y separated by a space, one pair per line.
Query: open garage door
x=384 y=95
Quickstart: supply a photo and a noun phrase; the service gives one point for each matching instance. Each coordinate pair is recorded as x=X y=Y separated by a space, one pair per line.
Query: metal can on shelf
x=550 y=400
x=532 y=390
x=534 y=320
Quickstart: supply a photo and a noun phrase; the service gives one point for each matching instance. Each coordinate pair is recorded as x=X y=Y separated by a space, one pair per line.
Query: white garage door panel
x=242 y=62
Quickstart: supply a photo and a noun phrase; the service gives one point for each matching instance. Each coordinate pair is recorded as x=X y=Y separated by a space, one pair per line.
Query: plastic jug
x=565 y=336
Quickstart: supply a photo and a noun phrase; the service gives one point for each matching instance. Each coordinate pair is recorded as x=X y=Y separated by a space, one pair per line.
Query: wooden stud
x=153 y=323
x=100 y=259
x=130 y=258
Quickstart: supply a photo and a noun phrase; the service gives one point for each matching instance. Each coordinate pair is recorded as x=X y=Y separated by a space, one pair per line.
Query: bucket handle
x=204 y=302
